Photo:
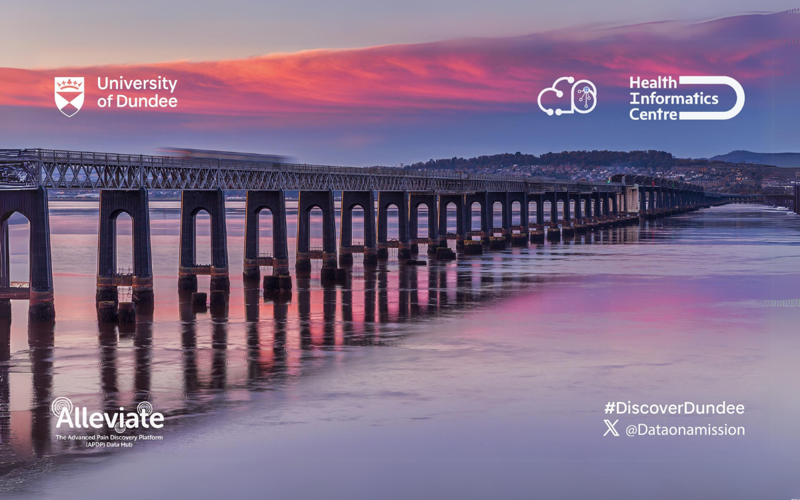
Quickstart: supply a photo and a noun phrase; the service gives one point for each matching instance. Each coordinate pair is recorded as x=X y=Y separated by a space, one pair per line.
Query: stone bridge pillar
x=254 y=256
x=521 y=238
x=567 y=228
x=365 y=200
x=549 y=197
x=212 y=202
x=642 y=200
x=536 y=226
x=136 y=205
x=5 y=270
x=324 y=201
x=567 y=211
x=577 y=214
x=539 y=199
x=400 y=200
x=522 y=199
x=485 y=224
x=5 y=256
x=553 y=232
x=430 y=201
x=653 y=205
x=461 y=227
x=32 y=203
x=505 y=217
x=593 y=204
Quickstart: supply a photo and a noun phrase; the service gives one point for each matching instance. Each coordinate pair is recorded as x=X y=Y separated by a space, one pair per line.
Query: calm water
x=482 y=378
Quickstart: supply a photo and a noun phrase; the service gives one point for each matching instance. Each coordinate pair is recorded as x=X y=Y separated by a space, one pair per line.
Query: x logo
x=611 y=428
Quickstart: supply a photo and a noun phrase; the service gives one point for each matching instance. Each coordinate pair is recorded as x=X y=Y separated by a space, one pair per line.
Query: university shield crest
x=69 y=94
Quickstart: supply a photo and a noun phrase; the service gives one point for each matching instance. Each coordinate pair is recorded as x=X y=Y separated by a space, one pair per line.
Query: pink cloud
x=461 y=75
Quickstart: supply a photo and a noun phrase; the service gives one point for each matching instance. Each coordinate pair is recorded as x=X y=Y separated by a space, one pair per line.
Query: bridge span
x=124 y=181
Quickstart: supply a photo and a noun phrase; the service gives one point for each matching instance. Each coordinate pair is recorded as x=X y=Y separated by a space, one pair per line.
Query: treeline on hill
x=643 y=159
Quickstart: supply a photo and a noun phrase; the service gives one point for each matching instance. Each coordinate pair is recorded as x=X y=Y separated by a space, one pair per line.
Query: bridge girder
x=31 y=168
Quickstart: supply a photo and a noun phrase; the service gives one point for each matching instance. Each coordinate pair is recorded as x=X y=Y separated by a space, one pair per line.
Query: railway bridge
x=546 y=208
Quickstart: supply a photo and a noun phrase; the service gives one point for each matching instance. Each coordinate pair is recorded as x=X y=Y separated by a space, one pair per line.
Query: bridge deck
x=30 y=168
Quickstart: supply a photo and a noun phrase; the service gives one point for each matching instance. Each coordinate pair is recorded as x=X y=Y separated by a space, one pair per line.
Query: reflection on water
x=283 y=338
x=190 y=363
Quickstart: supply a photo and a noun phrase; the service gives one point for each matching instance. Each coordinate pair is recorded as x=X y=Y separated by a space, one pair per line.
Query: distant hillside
x=777 y=159
x=598 y=166
x=651 y=159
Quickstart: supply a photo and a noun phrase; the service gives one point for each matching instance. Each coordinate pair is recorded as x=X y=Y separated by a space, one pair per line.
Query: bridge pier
x=653 y=202
x=564 y=197
x=539 y=198
x=365 y=200
x=579 y=225
x=660 y=201
x=324 y=201
x=33 y=204
x=553 y=231
x=482 y=200
x=5 y=269
x=254 y=258
x=430 y=201
x=642 y=202
x=212 y=202
x=567 y=230
x=493 y=197
x=400 y=200
x=518 y=239
x=537 y=235
x=135 y=204
x=589 y=210
x=596 y=207
x=461 y=231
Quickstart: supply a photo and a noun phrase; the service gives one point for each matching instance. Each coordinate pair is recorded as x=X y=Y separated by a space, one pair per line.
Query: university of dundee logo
x=69 y=94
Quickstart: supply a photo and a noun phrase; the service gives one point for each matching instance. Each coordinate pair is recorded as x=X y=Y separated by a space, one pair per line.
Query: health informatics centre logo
x=583 y=97
x=69 y=94
x=654 y=99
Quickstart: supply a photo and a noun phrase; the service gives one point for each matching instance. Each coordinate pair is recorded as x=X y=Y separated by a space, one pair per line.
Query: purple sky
x=387 y=104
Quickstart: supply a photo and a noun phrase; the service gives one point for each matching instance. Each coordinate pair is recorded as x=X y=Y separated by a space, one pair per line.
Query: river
x=482 y=378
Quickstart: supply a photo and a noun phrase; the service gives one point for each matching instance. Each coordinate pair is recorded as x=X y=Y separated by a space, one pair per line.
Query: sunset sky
x=362 y=85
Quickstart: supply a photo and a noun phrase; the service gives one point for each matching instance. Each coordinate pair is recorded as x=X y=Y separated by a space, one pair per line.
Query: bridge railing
x=59 y=169
x=93 y=158
x=14 y=173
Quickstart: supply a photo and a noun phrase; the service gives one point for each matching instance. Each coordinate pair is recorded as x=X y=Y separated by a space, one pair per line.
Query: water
x=482 y=378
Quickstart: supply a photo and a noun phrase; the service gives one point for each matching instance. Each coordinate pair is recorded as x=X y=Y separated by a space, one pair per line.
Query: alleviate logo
x=69 y=94
x=77 y=418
